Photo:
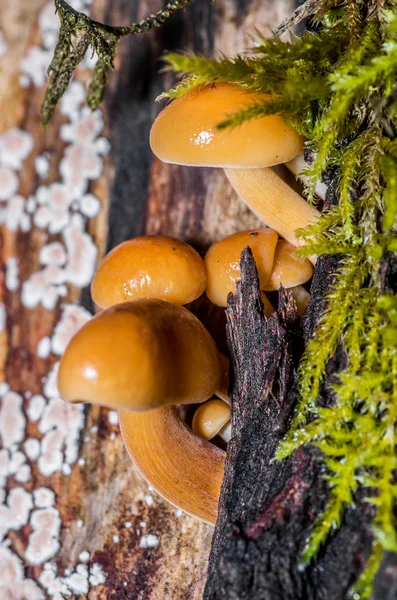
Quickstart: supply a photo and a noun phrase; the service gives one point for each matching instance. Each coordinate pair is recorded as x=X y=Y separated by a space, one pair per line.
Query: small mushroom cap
x=287 y=269
x=185 y=132
x=222 y=261
x=149 y=266
x=209 y=418
x=140 y=355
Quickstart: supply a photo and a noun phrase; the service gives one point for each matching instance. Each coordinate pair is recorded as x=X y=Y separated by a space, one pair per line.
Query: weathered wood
x=100 y=500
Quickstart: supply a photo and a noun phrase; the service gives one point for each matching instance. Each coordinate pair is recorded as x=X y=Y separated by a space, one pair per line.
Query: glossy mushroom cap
x=185 y=132
x=222 y=261
x=149 y=266
x=210 y=418
x=287 y=269
x=140 y=355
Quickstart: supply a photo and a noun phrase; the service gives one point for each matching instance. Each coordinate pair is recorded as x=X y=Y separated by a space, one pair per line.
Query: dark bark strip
x=267 y=508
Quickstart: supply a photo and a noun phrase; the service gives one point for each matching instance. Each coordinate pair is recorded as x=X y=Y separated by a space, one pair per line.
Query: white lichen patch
x=72 y=319
x=44 y=497
x=23 y=474
x=84 y=556
x=34 y=66
x=51 y=454
x=74 y=581
x=72 y=100
x=42 y=166
x=54 y=210
x=113 y=417
x=149 y=541
x=8 y=183
x=12 y=274
x=13 y=585
x=82 y=253
x=14 y=514
x=50 y=385
x=97 y=576
x=44 y=347
x=13 y=215
x=32 y=449
x=62 y=424
x=53 y=254
x=15 y=146
x=36 y=407
x=44 y=540
x=12 y=420
x=90 y=205
x=80 y=165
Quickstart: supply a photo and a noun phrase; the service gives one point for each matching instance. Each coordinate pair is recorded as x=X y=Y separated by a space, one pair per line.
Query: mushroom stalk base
x=274 y=202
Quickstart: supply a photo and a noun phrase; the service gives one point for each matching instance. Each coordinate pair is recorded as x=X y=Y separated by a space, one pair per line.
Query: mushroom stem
x=273 y=201
x=183 y=468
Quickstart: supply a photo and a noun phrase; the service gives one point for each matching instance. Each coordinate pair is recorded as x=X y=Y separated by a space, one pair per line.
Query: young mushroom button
x=186 y=133
x=149 y=266
x=141 y=355
x=210 y=418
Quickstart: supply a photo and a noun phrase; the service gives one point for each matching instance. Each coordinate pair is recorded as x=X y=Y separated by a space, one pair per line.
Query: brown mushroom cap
x=141 y=355
x=209 y=418
x=185 y=132
x=222 y=261
x=149 y=266
x=287 y=269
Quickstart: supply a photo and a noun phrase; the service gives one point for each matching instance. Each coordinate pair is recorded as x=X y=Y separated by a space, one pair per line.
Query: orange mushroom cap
x=185 y=132
x=150 y=266
x=140 y=355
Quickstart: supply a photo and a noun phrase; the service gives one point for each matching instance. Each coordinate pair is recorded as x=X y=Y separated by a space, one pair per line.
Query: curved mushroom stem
x=274 y=202
x=183 y=468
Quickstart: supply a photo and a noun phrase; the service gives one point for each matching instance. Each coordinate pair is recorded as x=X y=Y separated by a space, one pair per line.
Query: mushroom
x=287 y=270
x=185 y=132
x=183 y=468
x=209 y=418
x=150 y=266
x=141 y=355
x=274 y=260
x=222 y=261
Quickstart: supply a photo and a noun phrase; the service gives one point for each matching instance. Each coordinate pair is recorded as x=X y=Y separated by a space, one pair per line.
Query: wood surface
x=104 y=534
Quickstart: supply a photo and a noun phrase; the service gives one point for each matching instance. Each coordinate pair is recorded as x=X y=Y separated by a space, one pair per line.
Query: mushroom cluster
x=145 y=353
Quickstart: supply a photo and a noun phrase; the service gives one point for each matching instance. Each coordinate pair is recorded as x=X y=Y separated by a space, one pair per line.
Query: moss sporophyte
x=338 y=85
